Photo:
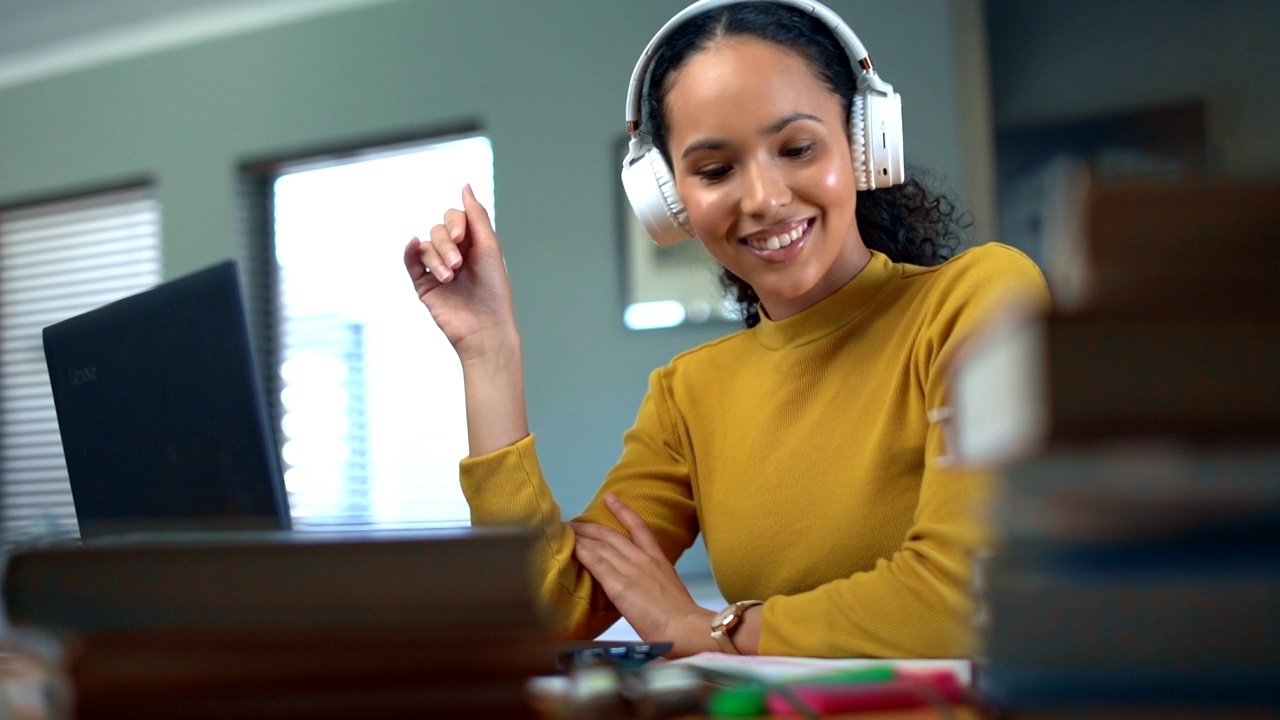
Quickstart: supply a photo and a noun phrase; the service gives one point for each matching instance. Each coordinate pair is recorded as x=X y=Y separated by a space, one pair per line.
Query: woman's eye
x=798 y=151
x=714 y=174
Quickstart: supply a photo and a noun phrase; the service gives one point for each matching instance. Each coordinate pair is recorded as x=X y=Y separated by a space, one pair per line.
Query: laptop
x=161 y=411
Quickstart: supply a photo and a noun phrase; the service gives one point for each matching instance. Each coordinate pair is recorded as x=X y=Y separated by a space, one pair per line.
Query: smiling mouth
x=779 y=240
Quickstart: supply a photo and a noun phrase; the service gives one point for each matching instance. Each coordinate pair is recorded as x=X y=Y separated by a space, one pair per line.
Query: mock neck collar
x=832 y=312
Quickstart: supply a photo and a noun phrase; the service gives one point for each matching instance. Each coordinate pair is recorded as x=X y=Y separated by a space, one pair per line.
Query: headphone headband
x=858 y=57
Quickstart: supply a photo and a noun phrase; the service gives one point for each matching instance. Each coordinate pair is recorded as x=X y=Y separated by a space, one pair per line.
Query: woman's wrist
x=746 y=634
x=493 y=381
x=694 y=634
x=490 y=349
x=738 y=633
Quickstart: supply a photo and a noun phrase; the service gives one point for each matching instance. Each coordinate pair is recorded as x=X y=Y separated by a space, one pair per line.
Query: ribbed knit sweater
x=809 y=455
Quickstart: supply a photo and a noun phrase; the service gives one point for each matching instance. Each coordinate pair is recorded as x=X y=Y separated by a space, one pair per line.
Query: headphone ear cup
x=875 y=132
x=651 y=190
x=858 y=141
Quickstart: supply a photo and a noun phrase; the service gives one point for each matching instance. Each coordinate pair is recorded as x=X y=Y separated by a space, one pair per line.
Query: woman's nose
x=764 y=189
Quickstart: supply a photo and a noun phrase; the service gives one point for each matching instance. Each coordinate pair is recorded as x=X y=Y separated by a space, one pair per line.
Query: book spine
x=1194 y=380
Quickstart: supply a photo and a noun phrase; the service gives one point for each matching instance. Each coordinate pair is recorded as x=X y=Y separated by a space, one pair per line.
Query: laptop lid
x=161 y=411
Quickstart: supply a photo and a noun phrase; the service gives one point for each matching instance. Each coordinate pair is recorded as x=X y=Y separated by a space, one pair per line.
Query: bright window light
x=374 y=422
x=653 y=315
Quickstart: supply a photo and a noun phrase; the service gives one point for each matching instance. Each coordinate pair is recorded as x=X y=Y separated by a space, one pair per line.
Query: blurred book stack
x=439 y=624
x=1136 y=430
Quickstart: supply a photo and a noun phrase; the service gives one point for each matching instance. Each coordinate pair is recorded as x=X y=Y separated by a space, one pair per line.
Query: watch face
x=724 y=616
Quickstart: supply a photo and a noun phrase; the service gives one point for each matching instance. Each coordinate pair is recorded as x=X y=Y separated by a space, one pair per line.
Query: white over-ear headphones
x=875 y=128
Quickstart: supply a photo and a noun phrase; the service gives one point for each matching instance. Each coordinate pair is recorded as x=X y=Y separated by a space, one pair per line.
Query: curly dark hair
x=909 y=222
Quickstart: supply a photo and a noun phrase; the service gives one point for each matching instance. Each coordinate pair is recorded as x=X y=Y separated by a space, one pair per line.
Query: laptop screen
x=161 y=412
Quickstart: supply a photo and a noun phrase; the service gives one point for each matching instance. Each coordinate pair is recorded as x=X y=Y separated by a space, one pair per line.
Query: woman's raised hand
x=460 y=276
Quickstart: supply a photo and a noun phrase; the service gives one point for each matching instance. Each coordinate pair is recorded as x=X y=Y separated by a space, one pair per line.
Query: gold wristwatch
x=726 y=620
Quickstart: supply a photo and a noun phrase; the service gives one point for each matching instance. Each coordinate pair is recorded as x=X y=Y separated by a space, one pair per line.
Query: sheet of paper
x=772 y=668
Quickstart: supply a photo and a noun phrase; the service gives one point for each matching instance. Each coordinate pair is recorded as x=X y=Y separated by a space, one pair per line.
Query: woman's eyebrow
x=772 y=129
x=707 y=144
x=777 y=127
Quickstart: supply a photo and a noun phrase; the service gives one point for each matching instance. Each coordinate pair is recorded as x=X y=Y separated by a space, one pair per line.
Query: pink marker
x=908 y=689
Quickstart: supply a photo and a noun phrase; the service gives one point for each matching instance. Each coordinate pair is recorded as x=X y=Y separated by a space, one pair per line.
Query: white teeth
x=778 y=241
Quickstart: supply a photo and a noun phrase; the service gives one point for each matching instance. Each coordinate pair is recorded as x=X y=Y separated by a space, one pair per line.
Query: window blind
x=57 y=260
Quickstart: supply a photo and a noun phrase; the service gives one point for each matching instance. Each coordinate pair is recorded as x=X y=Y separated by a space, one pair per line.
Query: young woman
x=807 y=449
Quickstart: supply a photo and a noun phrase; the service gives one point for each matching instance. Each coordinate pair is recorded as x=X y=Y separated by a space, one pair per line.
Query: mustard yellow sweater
x=804 y=452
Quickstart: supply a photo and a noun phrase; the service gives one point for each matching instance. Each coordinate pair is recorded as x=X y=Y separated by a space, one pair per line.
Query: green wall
x=545 y=79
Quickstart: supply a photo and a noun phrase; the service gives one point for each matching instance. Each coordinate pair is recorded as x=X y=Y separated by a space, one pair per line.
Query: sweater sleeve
x=918 y=601
x=507 y=487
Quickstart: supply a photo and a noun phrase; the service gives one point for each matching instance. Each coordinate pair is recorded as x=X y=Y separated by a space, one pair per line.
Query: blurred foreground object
x=1136 y=428
x=288 y=625
x=1166 y=324
x=1199 y=247
x=32 y=687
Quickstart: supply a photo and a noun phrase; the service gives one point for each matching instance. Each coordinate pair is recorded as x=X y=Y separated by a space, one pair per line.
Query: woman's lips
x=785 y=252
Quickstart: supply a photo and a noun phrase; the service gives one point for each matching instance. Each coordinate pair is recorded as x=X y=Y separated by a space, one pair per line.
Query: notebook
x=162 y=415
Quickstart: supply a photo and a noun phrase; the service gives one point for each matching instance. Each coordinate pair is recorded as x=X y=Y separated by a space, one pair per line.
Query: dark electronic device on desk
x=622 y=653
x=161 y=412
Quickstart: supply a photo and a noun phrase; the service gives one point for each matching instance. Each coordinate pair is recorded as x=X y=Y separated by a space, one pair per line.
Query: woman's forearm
x=494 y=386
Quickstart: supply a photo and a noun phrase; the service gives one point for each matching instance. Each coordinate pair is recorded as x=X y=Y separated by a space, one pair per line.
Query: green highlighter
x=749 y=698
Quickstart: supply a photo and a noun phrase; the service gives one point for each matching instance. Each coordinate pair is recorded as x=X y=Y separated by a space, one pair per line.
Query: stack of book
x=439 y=624
x=1136 y=428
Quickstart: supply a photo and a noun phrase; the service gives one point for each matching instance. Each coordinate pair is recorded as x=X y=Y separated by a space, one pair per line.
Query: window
x=372 y=420
x=57 y=260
